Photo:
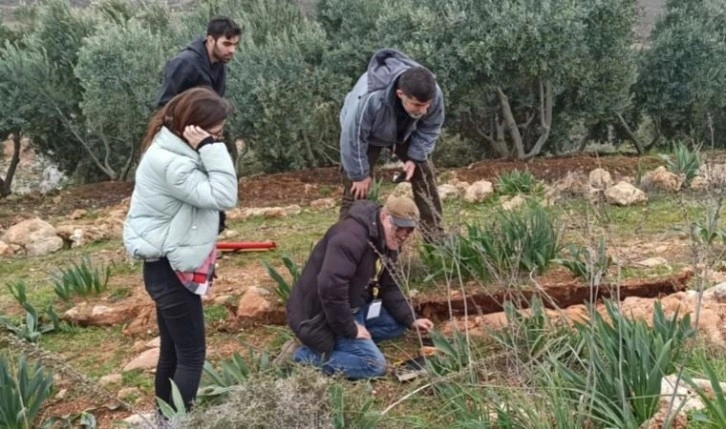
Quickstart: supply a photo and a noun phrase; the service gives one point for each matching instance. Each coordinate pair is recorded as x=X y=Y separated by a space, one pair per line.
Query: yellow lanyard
x=379 y=271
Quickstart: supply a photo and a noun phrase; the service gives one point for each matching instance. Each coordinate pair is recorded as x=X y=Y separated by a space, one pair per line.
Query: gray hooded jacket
x=368 y=115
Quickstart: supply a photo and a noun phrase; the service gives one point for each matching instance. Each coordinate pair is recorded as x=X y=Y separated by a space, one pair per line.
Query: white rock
x=153 y=343
x=652 y=262
x=447 y=191
x=600 y=178
x=107 y=380
x=44 y=246
x=625 y=194
x=145 y=360
x=479 y=191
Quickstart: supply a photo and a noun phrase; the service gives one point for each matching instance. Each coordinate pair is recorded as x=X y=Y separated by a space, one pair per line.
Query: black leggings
x=181 y=328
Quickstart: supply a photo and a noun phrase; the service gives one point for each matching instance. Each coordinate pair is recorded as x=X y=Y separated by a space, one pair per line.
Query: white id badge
x=374 y=310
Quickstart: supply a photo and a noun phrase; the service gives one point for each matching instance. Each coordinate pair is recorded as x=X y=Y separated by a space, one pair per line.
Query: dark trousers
x=423 y=185
x=181 y=328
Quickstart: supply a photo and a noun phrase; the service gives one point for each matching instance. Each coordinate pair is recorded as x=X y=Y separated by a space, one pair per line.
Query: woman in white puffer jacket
x=185 y=178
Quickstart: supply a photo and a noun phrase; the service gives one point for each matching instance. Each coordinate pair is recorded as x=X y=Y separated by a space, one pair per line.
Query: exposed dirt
x=550 y=169
x=553 y=296
x=301 y=187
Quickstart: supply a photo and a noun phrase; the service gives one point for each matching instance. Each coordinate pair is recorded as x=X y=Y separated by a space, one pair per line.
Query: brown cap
x=403 y=211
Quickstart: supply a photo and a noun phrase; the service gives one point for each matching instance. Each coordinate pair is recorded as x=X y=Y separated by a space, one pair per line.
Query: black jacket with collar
x=337 y=277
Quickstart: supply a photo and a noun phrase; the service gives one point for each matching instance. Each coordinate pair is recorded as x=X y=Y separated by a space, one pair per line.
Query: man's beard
x=218 y=56
x=416 y=115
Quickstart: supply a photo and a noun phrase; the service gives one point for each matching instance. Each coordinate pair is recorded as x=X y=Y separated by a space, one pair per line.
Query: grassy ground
x=95 y=352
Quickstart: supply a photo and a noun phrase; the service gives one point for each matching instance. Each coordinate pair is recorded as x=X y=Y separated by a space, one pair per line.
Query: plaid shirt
x=200 y=280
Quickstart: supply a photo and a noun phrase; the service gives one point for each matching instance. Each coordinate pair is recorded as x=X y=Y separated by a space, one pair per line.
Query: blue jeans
x=356 y=358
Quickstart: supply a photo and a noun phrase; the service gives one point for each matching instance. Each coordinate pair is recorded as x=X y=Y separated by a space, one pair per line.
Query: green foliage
x=79 y=85
x=455 y=354
x=284 y=288
x=117 y=105
x=469 y=407
x=233 y=372
x=300 y=399
x=33 y=327
x=17 y=290
x=519 y=182
x=715 y=401
x=39 y=90
x=586 y=263
x=533 y=337
x=622 y=364
x=84 y=420
x=374 y=194
x=683 y=73
x=80 y=279
x=526 y=240
x=683 y=161
x=343 y=417
x=23 y=390
x=177 y=409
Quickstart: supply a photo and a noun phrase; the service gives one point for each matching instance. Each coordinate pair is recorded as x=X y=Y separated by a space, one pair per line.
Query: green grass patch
x=214 y=314
x=93 y=351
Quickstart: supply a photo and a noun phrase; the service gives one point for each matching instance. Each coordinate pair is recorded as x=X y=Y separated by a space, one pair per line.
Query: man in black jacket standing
x=204 y=63
x=346 y=299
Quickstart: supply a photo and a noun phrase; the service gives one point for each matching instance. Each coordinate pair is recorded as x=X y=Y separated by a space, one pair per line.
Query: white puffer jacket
x=174 y=211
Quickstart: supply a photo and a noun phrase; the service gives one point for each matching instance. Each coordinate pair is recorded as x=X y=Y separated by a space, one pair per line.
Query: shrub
x=284 y=288
x=714 y=401
x=37 y=74
x=682 y=74
x=23 y=390
x=80 y=279
x=455 y=354
x=120 y=85
x=683 y=161
x=533 y=337
x=342 y=415
x=17 y=290
x=33 y=327
x=587 y=264
x=300 y=400
x=233 y=372
x=519 y=182
x=526 y=240
x=622 y=364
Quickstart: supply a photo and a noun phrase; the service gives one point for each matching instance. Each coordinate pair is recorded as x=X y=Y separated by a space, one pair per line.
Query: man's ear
x=210 y=39
x=400 y=94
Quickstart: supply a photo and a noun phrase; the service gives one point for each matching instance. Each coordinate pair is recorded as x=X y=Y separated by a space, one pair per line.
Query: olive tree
x=682 y=78
x=119 y=69
x=38 y=81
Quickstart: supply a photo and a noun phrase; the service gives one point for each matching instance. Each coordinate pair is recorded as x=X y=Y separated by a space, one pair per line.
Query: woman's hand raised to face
x=194 y=135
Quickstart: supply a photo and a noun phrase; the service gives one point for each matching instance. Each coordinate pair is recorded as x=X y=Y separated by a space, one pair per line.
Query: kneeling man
x=346 y=299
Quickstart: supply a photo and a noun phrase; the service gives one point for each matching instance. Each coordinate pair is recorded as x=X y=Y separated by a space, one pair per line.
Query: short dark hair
x=419 y=83
x=223 y=26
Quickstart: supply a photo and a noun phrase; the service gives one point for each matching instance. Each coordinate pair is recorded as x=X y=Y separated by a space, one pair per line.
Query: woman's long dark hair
x=199 y=106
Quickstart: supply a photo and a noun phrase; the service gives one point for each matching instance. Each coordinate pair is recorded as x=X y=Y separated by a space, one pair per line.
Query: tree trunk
x=511 y=123
x=497 y=139
x=6 y=184
x=636 y=142
x=547 y=102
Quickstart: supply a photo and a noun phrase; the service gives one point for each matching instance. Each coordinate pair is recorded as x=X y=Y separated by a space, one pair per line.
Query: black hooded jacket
x=337 y=278
x=191 y=68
